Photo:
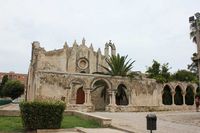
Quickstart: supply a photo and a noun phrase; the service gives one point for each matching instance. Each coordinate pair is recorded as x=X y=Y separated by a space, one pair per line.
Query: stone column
x=112 y=103
x=173 y=93
x=129 y=99
x=67 y=95
x=87 y=97
x=183 y=94
x=110 y=97
x=113 y=98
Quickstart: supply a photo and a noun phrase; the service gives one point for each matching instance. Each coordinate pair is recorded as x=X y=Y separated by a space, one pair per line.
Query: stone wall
x=58 y=74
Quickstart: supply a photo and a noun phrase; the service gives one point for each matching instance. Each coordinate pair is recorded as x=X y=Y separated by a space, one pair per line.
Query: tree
x=184 y=75
x=4 y=80
x=154 y=70
x=13 y=89
x=193 y=67
x=165 y=71
x=117 y=66
x=159 y=72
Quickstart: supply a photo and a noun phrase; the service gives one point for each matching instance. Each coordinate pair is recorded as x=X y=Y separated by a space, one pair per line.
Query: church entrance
x=80 y=96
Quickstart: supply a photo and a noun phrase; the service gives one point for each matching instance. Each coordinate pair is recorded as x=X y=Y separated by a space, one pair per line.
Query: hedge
x=42 y=114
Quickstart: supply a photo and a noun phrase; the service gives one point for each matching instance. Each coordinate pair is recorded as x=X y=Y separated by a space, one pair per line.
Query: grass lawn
x=14 y=124
x=10 y=124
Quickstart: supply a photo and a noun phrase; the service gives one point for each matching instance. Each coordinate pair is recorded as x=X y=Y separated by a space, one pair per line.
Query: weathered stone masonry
x=67 y=74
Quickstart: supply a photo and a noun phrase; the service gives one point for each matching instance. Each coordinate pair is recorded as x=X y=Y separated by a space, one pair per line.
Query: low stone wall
x=5 y=111
x=149 y=108
x=104 y=122
x=83 y=107
x=9 y=113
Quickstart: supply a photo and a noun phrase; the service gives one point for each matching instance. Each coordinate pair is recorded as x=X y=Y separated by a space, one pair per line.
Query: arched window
x=178 y=98
x=189 y=97
x=121 y=95
x=167 y=96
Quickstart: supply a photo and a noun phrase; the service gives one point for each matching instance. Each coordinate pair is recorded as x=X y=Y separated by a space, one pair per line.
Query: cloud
x=143 y=29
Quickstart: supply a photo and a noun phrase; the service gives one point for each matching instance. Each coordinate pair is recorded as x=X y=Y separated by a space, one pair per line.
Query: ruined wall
x=147 y=93
x=58 y=74
x=75 y=59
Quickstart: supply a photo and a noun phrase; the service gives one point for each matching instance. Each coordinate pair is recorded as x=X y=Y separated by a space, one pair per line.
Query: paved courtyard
x=167 y=122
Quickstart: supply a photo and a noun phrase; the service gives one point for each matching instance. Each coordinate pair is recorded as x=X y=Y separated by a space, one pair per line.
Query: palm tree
x=117 y=66
x=195 y=36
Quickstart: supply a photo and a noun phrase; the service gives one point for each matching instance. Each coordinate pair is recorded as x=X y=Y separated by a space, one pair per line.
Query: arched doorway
x=76 y=91
x=167 y=96
x=178 y=98
x=189 y=97
x=80 y=96
x=99 y=94
x=121 y=95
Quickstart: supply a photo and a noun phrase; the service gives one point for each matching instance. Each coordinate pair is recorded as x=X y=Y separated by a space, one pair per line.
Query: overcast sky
x=143 y=29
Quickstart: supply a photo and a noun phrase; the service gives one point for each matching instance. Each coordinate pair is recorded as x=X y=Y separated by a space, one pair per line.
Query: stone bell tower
x=106 y=50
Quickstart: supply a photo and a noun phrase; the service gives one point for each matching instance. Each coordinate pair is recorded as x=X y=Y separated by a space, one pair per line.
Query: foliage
x=42 y=114
x=154 y=70
x=4 y=80
x=184 y=75
x=158 y=72
x=119 y=66
x=165 y=71
x=193 y=67
x=13 y=89
x=162 y=75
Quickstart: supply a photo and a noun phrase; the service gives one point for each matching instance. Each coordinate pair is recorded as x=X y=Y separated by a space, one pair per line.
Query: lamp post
x=195 y=35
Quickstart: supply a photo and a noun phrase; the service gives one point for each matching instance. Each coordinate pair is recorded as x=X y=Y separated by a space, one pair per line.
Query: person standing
x=197 y=103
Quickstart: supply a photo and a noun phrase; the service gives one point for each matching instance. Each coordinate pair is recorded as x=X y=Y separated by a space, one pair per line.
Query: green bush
x=42 y=114
x=13 y=89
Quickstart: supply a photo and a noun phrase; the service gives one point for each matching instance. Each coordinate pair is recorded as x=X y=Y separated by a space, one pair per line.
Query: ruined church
x=71 y=74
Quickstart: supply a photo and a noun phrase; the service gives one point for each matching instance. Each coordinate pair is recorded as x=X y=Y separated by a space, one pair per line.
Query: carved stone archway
x=167 y=95
x=178 y=97
x=121 y=95
x=100 y=93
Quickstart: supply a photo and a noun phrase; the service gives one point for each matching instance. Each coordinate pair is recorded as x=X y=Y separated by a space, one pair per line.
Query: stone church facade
x=70 y=74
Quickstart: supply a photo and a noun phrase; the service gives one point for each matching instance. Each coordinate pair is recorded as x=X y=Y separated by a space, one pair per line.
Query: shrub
x=13 y=89
x=42 y=114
